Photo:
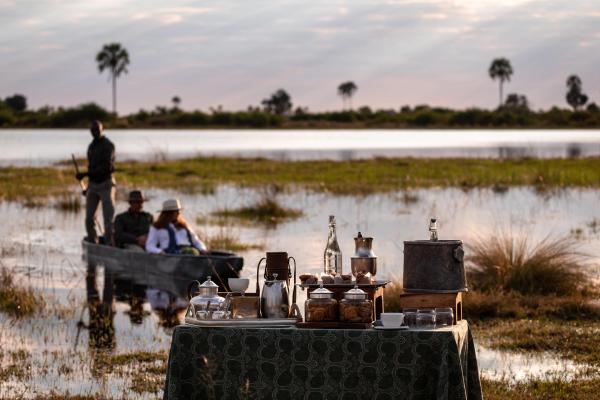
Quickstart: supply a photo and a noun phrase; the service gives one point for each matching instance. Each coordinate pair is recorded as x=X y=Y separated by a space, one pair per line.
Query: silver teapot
x=207 y=304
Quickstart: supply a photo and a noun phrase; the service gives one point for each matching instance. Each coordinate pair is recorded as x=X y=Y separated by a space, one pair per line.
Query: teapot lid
x=209 y=283
x=355 y=294
x=321 y=293
x=208 y=289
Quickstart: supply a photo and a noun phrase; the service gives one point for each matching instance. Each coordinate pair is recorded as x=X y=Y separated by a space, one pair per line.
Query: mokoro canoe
x=168 y=272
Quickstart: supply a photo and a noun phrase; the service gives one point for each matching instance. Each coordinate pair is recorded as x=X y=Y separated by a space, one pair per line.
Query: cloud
x=169 y=19
x=29 y=22
x=433 y=16
x=51 y=46
x=329 y=31
x=169 y=15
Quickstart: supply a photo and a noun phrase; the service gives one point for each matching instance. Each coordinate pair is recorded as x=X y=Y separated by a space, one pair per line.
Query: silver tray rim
x=243 y=322
x=377 y=283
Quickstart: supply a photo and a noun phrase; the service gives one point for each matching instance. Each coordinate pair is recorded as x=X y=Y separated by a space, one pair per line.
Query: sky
x=235 y=53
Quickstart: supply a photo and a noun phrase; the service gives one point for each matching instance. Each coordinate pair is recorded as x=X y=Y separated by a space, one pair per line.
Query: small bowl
x=392 y=320
x=238 y=284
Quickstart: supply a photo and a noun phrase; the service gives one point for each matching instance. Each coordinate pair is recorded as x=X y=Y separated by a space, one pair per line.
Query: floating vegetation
x=16 y=300
x=225 y=240
x=266 y=211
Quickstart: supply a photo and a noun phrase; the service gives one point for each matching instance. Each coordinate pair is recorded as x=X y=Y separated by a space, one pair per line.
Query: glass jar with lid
x=321 y=306
x=444 y=316
x=356 y=306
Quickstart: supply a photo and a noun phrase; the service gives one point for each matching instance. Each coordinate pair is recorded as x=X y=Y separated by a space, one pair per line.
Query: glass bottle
x=433 y=229
x=333 y=255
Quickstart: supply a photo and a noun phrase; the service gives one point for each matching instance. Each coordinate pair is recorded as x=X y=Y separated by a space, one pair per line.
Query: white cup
x=238 y=284
x=392 y=320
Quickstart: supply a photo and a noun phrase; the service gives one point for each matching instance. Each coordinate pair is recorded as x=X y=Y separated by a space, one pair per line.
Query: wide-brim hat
x=171 y=205
x=136 y=195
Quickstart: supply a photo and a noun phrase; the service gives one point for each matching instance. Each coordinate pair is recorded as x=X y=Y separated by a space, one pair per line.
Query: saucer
x=390 y=328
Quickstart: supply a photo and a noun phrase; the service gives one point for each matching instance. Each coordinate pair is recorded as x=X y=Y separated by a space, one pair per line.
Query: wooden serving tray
x=334 y=325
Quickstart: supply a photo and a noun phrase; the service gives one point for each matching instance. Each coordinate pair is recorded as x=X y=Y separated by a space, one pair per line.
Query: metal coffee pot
x=274 y=302
x=274 y=297
x=364 y=259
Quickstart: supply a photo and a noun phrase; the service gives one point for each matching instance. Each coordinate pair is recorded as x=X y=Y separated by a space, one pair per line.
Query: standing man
x=132 y=226
x=101 y=187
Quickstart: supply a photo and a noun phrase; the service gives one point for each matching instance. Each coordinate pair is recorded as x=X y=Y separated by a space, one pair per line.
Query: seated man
x=132 y=226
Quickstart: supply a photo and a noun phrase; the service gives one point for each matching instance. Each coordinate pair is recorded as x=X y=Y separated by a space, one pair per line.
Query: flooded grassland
x=92 y=332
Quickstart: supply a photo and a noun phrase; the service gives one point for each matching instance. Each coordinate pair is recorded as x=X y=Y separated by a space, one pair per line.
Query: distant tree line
x=514 y=113
x=277 y=110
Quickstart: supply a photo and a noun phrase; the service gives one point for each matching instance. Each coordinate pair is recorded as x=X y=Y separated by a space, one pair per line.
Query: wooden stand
x=433 y=300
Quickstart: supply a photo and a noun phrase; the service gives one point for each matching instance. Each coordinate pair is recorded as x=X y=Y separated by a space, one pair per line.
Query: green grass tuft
x=507 y=263
x=266 y=211
x=15 y=300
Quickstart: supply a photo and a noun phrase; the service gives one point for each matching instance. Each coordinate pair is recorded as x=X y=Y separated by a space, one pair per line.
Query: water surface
x=45 y=146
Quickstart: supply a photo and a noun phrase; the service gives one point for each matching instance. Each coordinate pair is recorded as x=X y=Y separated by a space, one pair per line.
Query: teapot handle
x=189 y=288
x=294 y=291
x=258 y=275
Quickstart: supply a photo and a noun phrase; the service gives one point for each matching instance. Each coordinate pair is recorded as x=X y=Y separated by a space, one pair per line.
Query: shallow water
x=517 y=367
x=42 y=246
x=45 y=146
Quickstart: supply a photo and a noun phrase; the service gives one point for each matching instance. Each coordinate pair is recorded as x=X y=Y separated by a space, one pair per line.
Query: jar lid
x=355 y=294
x=321 y=293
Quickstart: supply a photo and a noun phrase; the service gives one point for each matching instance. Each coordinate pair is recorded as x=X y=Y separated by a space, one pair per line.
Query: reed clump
x=508 y=263
x=15 y=300
x=225 y=240
x=69 y=203
x=265 y=211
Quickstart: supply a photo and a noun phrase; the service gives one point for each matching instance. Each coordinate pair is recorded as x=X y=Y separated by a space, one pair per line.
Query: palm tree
x=345 y=91
x=176 y=101
x=502 y=70
x=115 y=58
x=279 y=103
x=575 y=96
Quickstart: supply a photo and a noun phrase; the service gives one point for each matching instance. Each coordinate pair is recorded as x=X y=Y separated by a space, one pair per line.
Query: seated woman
x=170 y=233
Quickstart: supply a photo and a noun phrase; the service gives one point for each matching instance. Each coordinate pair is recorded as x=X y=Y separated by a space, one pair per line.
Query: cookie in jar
x=321 y=306
x=356 y=306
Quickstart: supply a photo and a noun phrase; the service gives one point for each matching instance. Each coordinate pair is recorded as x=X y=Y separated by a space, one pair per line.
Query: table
x=288 y=363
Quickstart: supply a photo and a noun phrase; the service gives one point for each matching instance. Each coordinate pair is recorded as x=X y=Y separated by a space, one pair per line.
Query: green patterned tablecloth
x=251 y=363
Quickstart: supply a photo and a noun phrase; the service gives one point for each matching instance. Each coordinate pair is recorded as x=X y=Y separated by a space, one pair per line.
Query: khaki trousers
x=104 y=193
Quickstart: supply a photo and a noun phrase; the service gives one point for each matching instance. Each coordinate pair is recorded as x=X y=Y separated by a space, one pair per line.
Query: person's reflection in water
x=134 y=295
x=101 y=311
x=168 y=307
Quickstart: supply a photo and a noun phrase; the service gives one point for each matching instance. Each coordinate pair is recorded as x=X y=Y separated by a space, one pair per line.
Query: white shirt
x=158 y=239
